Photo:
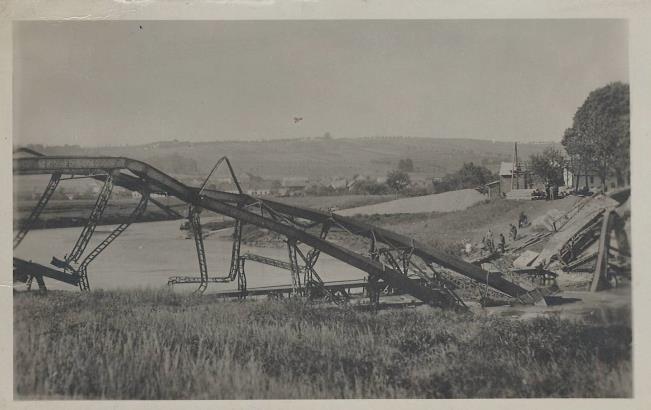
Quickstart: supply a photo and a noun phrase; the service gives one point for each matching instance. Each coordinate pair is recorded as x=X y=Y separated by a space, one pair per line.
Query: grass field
x=159 y=345
x=335 y=201
x=470 y=223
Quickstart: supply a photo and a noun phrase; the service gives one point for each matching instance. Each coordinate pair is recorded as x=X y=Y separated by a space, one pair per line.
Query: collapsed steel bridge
x=392 y=261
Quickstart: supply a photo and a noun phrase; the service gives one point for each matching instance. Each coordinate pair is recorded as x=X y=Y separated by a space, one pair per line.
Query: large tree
x=406 y=165
x=548 y=165
x=599 y=140
x=398 y=180
x=468 y=176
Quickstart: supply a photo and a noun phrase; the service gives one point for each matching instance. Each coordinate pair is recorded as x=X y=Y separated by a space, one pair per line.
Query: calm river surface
x=147 y=254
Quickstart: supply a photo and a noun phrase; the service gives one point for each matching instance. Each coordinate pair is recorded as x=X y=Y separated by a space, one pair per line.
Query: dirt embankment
x=446 y=231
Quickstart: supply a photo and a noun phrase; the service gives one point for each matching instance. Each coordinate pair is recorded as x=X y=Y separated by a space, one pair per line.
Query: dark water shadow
x=559 y=300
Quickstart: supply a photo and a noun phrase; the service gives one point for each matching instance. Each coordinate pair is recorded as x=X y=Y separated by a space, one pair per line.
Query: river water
x=147 y=254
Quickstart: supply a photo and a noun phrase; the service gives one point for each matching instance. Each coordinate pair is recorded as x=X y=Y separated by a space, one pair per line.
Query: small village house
x=590 y=179
x=514 y=178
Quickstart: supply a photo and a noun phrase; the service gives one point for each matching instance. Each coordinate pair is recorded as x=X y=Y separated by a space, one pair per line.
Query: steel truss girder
x=373 y=288
x=39 y=280
x=135 y=214
x=267 y=261
x=229 y=205
x=94 y=217
x=405 y=264
x=236 y=269
x=230 y=170
x=24 y=268
x=241 y=279
x=294 y=268
x=312 y=282
x=36 y=212
x=123 y=180
x=197 y=234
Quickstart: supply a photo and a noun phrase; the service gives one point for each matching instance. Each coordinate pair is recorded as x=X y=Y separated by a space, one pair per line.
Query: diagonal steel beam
x=223 y=203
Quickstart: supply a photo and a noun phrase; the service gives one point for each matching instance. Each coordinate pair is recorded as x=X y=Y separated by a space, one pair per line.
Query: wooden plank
x=599 y=279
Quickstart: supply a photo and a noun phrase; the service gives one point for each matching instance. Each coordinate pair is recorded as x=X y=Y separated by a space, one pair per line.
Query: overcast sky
x=101 y=83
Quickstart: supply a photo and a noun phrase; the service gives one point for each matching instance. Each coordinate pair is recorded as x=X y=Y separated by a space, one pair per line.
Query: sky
x=135 y=82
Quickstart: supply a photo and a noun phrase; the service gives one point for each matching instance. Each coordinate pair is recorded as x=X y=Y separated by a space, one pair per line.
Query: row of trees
x=549 y=165
x=469 y=176
x=599 y=139
x=406 y=165
x=598 y=143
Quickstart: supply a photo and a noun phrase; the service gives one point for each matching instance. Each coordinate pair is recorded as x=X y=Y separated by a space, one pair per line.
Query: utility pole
x=514 y=170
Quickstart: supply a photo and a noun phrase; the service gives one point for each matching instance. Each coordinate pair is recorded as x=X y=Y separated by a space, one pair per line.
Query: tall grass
x=160 y=345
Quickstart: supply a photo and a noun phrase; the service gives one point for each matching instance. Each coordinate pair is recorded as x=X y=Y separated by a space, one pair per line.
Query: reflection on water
x=147 y=254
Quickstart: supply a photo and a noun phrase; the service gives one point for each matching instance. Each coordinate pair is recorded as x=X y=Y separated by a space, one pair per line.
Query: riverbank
x=74 y=213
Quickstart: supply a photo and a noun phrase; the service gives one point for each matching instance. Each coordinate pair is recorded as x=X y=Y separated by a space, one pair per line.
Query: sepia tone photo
x=321 y=209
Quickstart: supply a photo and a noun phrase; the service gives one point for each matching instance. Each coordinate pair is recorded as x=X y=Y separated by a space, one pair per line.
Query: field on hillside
x=161 y=345
x=443 y=202
x=443 y=230
x=468 y=224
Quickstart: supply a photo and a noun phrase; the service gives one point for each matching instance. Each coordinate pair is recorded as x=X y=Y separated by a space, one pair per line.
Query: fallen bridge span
x=392 y=259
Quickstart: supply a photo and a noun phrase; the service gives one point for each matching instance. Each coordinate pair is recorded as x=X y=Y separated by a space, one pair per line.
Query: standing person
x=468 y=248
x=514 y=233
x=489 y=241
x=502 y=244
x=547 y=191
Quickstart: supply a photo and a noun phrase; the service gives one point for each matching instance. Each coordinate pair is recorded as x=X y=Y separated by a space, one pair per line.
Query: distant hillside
x=320 y=157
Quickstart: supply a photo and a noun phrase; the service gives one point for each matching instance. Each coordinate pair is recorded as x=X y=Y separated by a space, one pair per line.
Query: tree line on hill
x=597 y=143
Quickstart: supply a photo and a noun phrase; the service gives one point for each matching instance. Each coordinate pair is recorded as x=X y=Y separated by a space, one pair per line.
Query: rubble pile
x=586 y=248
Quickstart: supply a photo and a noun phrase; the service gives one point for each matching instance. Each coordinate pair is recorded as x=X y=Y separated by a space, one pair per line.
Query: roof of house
x=506 y=168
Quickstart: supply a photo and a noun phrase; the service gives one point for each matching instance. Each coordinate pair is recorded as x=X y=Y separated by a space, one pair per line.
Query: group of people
x=551 y=192
x=488 y=241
